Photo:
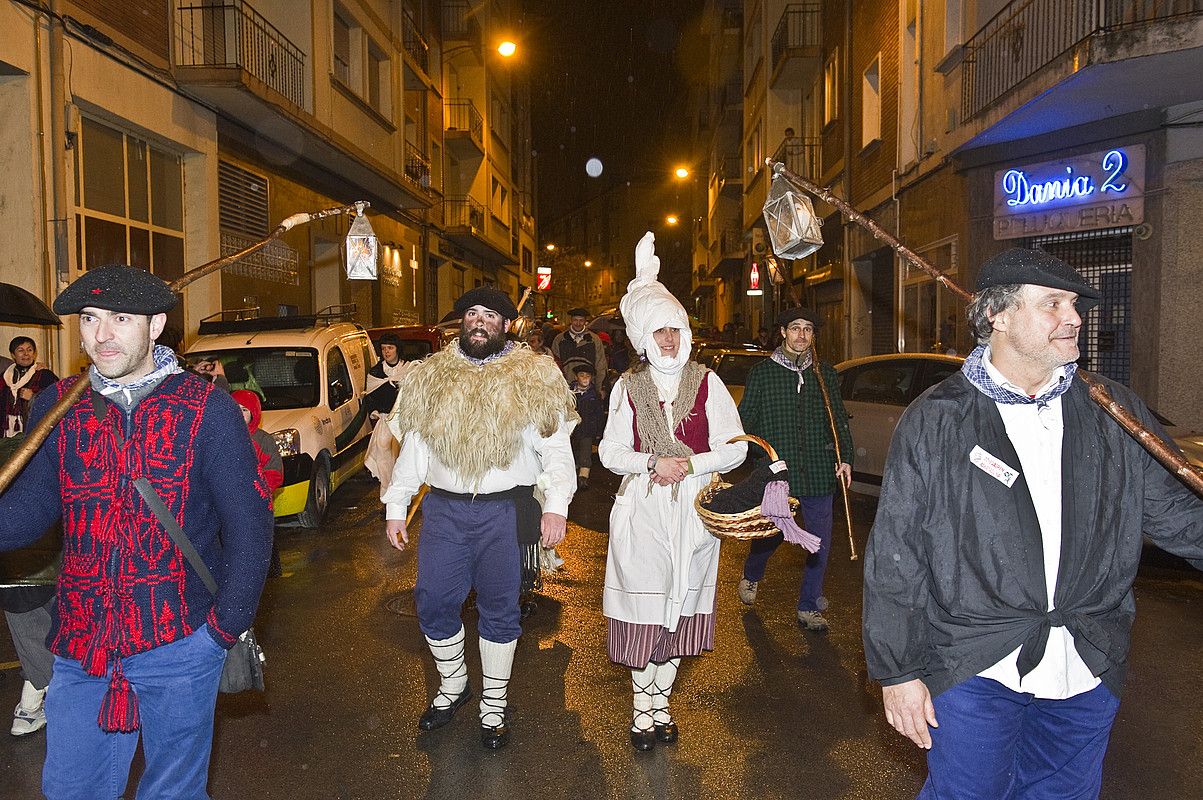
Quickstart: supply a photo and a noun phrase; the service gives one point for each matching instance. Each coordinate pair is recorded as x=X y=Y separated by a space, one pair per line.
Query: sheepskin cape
x=472 y=416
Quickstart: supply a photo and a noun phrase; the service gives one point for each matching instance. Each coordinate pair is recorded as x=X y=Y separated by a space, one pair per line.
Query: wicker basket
x=745 y=525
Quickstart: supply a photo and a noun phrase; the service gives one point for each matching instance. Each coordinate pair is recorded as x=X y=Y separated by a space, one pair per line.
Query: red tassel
x=119 y=711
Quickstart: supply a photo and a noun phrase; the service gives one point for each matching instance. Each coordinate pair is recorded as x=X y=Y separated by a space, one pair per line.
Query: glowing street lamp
x=588 y=263
x=551 y=247
x=507 y=48
x=672 y=219
x=682 y=172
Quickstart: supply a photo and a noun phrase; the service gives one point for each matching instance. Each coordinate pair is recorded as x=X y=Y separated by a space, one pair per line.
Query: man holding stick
x=139 y=641
x=999 y=571
x=784 y=405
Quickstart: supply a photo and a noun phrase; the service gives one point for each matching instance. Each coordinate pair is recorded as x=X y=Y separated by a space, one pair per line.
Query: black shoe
x=495 y=738
x=643 y=740
x=438 y=717
x=666 y=732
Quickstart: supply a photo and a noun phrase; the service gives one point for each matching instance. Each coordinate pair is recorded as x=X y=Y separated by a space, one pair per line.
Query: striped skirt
x=635 y=645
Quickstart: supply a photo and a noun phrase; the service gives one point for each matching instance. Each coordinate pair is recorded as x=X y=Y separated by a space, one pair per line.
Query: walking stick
x=839 y=455
x=1157 y=447
x=35 y=438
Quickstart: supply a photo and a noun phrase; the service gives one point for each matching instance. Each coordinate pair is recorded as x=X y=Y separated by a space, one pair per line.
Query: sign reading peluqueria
x=1087 y=192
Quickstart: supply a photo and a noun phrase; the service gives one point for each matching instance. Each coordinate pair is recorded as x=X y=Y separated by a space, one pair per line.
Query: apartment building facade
x=167 y=134
x=968 y=126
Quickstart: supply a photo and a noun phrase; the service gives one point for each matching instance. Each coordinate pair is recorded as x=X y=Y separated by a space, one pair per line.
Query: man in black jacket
x=998 y=575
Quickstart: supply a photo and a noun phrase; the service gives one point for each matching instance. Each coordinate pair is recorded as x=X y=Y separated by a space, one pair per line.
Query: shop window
x=932 y=319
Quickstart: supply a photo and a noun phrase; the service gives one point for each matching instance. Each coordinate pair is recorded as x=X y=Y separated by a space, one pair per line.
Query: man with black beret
x=998 y=575
x=139 y=641
x=480 y=422
x=782 y=403
x=579 y=344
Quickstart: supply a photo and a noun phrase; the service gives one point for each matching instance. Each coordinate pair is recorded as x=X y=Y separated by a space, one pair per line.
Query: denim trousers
x=997 y=744
x=176 y=685
x=815 y=516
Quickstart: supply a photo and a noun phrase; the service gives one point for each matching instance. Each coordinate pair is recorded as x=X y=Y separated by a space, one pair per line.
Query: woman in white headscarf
x=670 y=421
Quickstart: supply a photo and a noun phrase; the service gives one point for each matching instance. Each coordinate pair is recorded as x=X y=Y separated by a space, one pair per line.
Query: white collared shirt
x=547 y=462
x=1036 y=432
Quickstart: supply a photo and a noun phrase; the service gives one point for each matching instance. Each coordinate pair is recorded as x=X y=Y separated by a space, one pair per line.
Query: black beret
x=490 y=298
x=581 y=366
x=117 y=287
x=1020 y=265
x=578 y=312
x=790 y=314
x=390 y=338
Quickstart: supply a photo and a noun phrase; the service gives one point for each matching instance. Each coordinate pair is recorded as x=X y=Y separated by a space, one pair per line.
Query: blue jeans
x=465 y=544
x=996 y=744
x=815 y=513
x=176 y=686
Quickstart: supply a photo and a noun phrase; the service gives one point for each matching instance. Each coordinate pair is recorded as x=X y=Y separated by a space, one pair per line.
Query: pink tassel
x=775 y=506
x=119 y=710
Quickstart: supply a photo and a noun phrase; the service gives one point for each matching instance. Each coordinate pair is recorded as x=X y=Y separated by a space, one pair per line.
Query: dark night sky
x=609 y=79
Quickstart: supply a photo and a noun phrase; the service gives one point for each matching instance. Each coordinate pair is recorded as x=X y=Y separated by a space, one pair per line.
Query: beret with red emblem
x=117 y=287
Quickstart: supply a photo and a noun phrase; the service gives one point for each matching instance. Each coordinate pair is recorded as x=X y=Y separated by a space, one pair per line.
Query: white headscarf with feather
x=648 y=306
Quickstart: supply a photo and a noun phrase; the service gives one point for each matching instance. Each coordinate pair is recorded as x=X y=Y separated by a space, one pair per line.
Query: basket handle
x=756 y=440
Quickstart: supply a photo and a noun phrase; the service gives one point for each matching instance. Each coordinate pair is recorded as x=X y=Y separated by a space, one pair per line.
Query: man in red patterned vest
x=139 y=642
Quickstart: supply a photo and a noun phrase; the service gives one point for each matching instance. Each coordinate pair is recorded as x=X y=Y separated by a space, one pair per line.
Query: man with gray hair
x=998 y=574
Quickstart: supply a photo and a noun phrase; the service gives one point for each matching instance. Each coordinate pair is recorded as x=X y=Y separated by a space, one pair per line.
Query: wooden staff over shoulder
x=1163 y=451
x=36 y=437
x=839 y=454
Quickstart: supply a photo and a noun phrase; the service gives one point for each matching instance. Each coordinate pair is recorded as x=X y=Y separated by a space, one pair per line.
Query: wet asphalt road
x=773 y=712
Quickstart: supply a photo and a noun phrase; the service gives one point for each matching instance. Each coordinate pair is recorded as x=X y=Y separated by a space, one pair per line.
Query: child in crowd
x=593 y=420
x=268 y=453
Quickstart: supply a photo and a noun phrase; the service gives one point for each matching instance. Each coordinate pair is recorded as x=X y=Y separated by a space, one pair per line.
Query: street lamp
x=682 y=172
x=507 y=48
x=551 y=247
x=588 y=263
x=672 y=219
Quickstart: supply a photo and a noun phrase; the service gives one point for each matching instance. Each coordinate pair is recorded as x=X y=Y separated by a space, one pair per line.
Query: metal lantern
x=793 y=226
x=363 y=248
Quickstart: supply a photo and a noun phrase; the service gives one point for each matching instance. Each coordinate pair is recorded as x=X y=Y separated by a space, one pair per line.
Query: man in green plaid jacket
x=782 y=404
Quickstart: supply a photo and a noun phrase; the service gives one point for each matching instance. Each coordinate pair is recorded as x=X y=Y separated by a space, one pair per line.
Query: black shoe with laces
x=643 y=740
x=434 y=717
x=495 y=738
x=666 y=732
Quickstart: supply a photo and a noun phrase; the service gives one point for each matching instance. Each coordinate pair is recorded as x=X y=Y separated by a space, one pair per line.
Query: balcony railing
x=417 y=167
x=798 y=28
x=461 y=115
x=464 y=212
x=414 y=43
x=230 y=33
x=801 y=156
x=459 y=23
x=1028 y=35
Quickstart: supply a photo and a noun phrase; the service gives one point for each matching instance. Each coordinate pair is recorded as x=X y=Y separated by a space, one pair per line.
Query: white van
x=310 y=373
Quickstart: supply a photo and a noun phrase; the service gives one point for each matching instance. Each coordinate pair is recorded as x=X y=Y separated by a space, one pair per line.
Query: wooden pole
x=41 y=431
x=839 y=455
x=1163 y=451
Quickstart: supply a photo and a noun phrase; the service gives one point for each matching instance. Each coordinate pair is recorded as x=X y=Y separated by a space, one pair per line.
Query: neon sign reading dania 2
x=1023 y=191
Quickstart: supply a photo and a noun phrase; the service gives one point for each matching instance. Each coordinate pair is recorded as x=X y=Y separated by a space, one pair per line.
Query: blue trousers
x=815 y=517
x=176 y=686
x=996 y=744
x=467 y=544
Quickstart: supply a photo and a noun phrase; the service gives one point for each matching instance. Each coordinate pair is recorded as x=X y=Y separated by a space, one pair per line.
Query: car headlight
x=289 y=442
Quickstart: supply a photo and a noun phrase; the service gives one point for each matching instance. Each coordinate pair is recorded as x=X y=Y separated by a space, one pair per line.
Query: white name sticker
x=993 y=467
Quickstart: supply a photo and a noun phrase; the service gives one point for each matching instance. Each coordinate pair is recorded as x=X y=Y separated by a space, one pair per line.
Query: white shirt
x=1036 y=434
x=545 y=461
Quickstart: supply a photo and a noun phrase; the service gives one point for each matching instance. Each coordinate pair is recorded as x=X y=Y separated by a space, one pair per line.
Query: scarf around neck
x=165 y=364
x=801 y=365
x=975 y=370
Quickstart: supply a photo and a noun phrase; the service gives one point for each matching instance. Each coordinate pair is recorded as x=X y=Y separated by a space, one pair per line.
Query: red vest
x=694 y=430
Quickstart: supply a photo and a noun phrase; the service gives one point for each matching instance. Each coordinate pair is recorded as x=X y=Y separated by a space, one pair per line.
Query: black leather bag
x=243 y=670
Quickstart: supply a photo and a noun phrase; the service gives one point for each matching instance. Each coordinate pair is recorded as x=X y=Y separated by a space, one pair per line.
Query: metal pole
x=1163 y=451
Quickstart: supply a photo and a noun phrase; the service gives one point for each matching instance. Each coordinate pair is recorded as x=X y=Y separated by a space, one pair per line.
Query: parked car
x=310 y=373
x=417 y=341
x=731 y=364
x=877 y=389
